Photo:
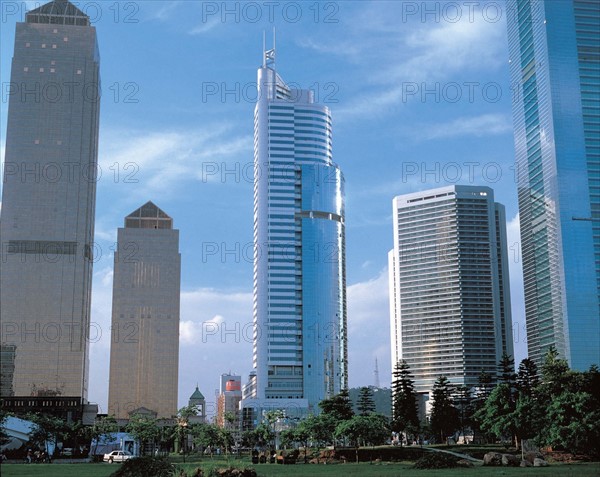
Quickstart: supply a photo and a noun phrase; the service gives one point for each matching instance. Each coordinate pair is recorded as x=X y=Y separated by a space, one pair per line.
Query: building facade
x=449 y=287
x=300 y=335
x=144 y=354
x=228 y=401
x=554 y=58
x=48 y=208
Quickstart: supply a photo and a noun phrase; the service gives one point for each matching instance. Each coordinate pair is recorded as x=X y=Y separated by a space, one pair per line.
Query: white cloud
x=164 y=11
x=395 y=55
x=205 y=27
x=477 y=126
x=158 y=162
x=369 y=331
x=215 y=337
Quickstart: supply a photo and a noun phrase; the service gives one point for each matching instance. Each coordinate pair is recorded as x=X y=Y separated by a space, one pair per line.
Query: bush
x=436 y=460
x=232 y=472
x=145 y=467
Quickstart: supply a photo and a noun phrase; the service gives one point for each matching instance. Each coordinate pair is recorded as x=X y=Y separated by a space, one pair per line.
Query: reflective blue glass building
x=555 y=70
x=299 y=264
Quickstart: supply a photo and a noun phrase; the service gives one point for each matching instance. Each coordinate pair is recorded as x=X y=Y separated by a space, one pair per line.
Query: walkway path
x=456 y=454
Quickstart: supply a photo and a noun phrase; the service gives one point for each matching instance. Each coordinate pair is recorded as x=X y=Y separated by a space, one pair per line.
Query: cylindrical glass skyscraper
x=300 y=353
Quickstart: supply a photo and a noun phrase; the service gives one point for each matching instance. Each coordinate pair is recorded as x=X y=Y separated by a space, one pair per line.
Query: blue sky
x=420 y=98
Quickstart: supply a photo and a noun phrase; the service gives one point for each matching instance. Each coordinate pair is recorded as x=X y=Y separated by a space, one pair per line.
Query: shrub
x=436 y=460
x=232 y=472
x=145 y=467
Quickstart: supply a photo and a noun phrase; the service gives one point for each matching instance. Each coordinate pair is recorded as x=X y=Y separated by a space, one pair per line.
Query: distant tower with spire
x=376 y=373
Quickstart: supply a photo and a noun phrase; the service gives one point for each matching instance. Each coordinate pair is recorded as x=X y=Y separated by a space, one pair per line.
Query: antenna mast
x=268 y=55
x=376 y=373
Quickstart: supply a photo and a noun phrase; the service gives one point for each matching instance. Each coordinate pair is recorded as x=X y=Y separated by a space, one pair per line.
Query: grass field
x=301 y=470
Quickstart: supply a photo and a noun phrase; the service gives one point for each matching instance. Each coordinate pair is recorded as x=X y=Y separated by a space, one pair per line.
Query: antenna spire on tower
x=268 y=55
x=376 y=373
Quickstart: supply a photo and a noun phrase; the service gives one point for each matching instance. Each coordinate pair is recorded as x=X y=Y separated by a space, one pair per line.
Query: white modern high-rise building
x=48 y=210
x=144 y=353
x=300 y=336
x=449 y=286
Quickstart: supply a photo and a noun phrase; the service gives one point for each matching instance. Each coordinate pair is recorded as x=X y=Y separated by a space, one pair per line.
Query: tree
x=527 y=417
x=228 y=419
x=4 y=437
x=573 y=423
x=207 y=436
x=482 y=392
x=484 y=388
x=556 y=376
x=182 y=428
x=527 y=378
x=261 y=436
x=372 y=429
x=321 y=428
x=444 y=416
x=571 y=406
x=506 y=370
x=145 y=429
x=301 y=434
x=497 y=414
x=336 y=410
x=405 y=416
x=226 y=439
x=338 y=406
x=464 y=404
x=103 y=430
x=366 y=403
x=506 y=399
x=47 y=429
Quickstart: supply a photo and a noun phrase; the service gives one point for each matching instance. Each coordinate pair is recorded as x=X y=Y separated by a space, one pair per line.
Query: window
x=65 y=39
x=78 y=72
x=54 y=47
x=41 y=70
x=27 y=45
x=43 y=45
x=52 y=70
x=26 y=69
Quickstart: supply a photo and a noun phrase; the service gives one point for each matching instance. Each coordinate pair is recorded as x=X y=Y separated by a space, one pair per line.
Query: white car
x=117 y=456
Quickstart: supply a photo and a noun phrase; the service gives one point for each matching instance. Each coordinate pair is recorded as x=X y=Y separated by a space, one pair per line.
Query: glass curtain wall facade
x=449 y=289
x=300 y=350
x=48 y=204
x=555 y=74
x=144 y=353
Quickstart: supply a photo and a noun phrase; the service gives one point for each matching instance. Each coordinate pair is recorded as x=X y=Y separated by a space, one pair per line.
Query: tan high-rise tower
x=144 y=355
x=48 y=209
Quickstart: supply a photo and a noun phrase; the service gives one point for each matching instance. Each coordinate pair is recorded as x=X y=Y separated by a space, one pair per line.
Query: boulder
x=492 y=459
x=530 y=456
x=510 y=460
x=538 y=462
x=526 y=463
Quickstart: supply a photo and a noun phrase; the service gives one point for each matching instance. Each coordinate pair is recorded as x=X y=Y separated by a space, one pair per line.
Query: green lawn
x=301 y=470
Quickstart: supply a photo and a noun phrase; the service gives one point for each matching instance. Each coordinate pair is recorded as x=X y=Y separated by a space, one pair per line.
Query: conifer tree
x=366 y=402
x=405 y=418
